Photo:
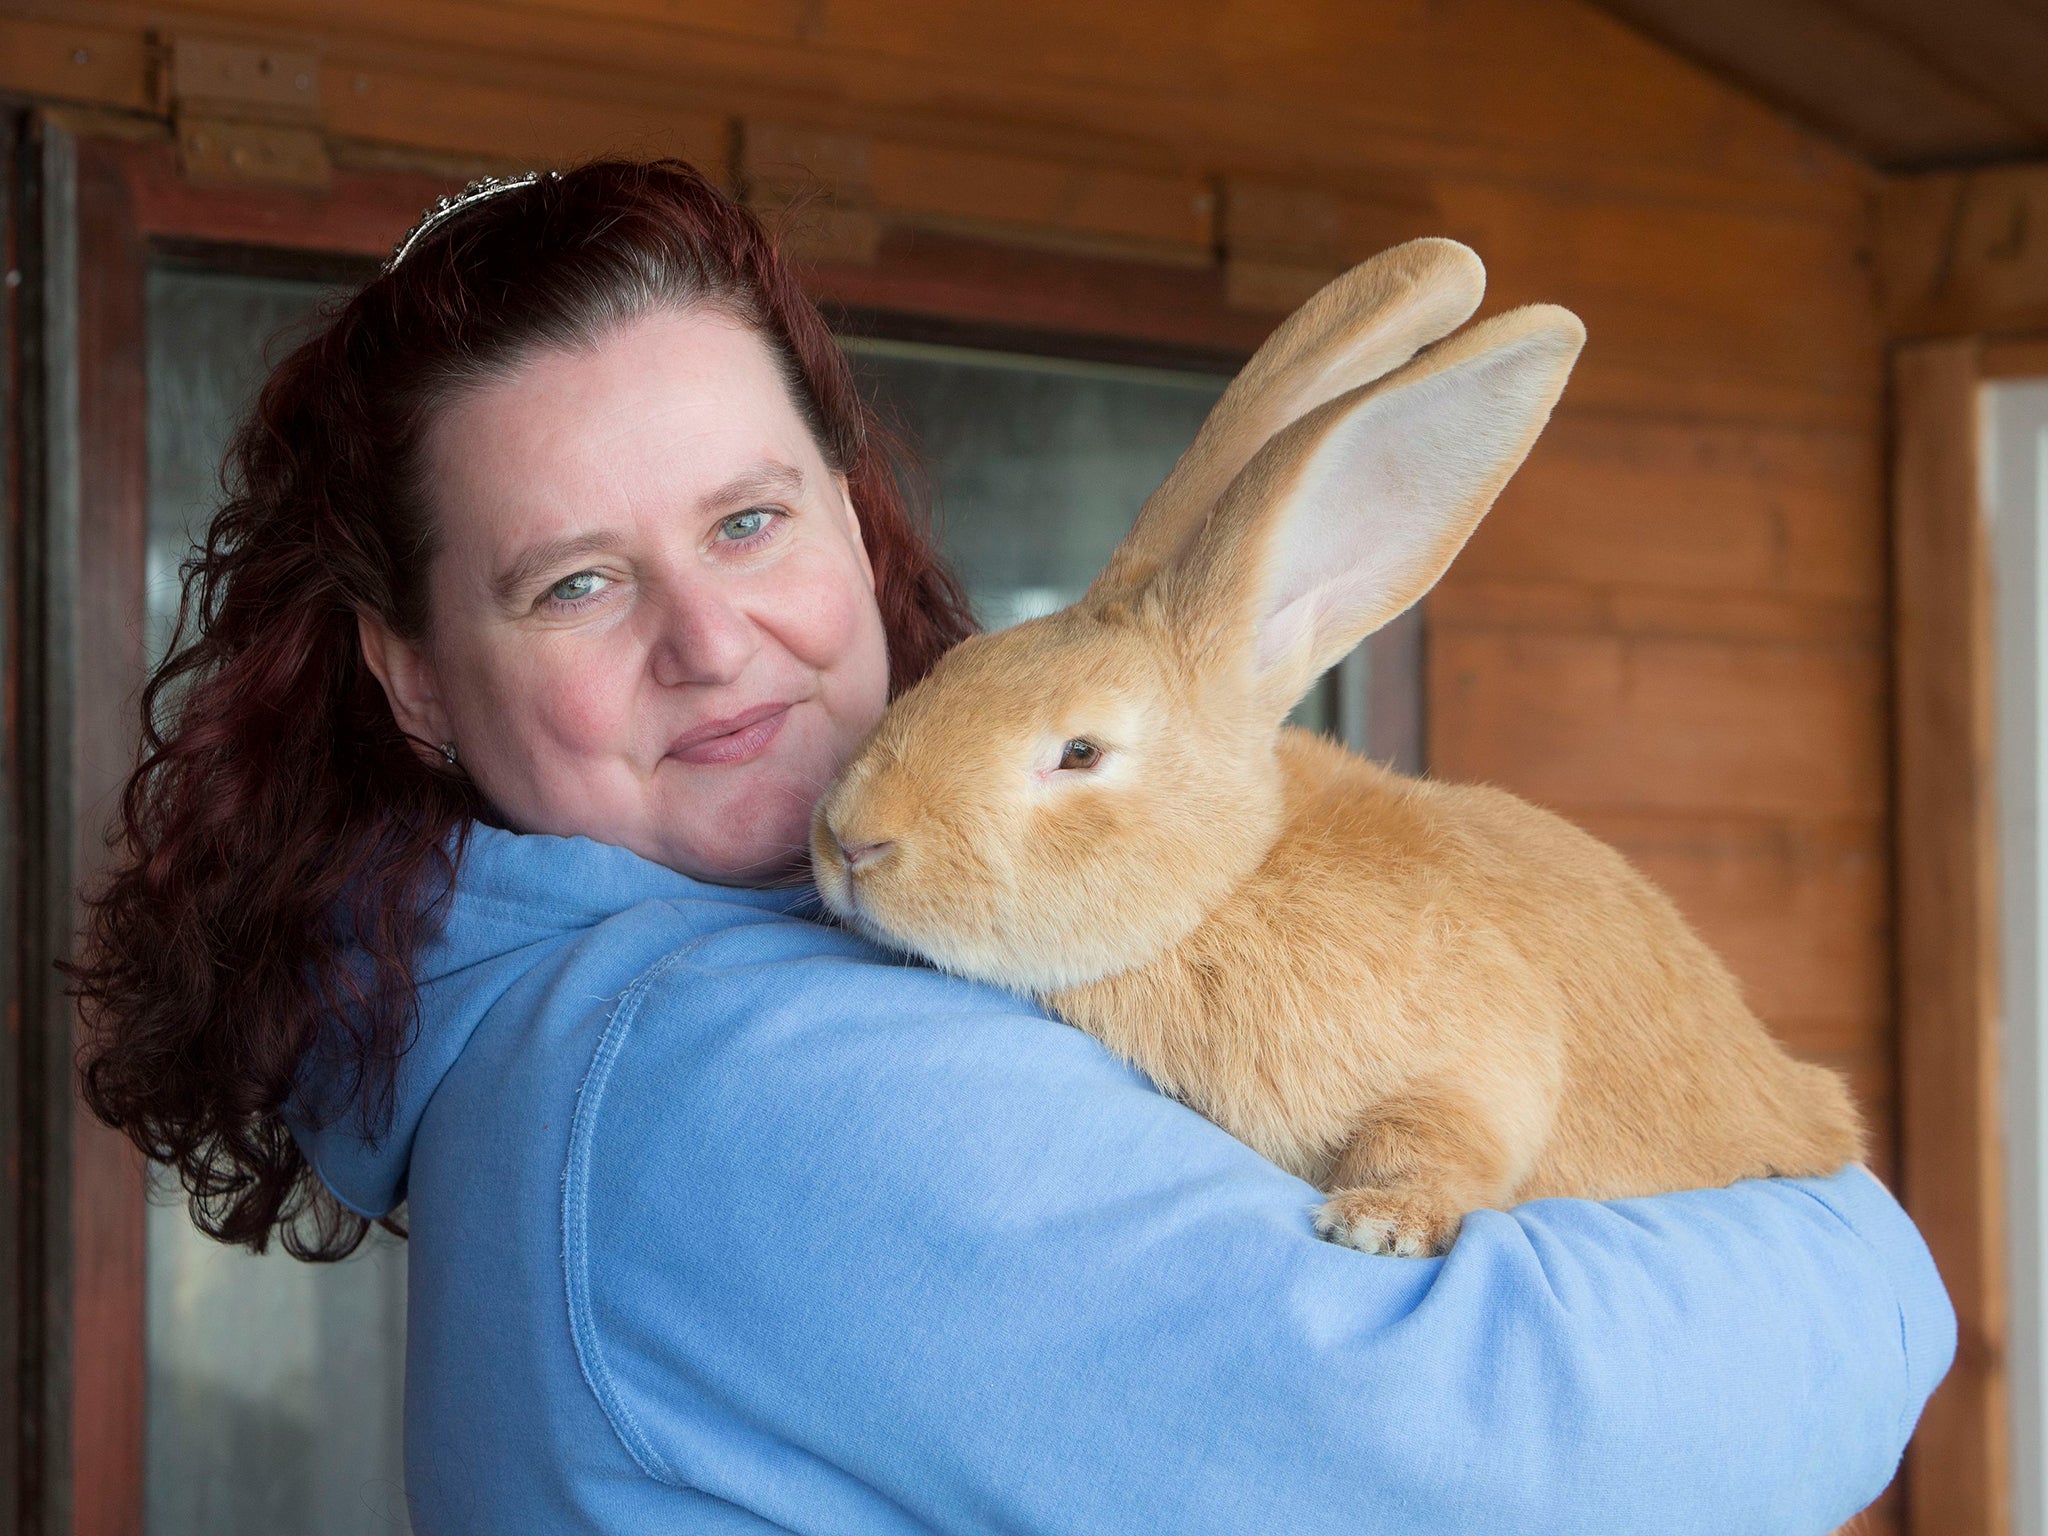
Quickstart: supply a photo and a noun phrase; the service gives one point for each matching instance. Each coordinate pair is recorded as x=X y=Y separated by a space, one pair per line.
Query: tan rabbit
x=1424 y=998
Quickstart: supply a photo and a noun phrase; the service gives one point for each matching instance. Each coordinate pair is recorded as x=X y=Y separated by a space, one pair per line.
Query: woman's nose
x=705 y=638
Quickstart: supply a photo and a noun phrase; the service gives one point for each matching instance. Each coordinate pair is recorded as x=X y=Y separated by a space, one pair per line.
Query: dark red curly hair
x=283 y=849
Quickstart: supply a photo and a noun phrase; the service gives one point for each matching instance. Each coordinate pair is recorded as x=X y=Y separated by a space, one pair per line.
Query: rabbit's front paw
x=1410 y=1224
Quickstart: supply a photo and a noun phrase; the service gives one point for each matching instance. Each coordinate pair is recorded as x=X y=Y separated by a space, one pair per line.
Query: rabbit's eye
x=1079 y=754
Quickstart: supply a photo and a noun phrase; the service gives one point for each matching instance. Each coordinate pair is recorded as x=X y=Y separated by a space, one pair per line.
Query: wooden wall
x=1672 y=628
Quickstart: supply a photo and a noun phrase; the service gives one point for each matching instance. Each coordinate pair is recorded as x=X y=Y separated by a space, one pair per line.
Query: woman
x=464 y=870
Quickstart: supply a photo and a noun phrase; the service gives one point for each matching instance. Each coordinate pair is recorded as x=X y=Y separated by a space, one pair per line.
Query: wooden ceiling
x=1907 y=84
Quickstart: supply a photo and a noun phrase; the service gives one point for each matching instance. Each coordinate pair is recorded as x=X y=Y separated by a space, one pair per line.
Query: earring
x=448 y=751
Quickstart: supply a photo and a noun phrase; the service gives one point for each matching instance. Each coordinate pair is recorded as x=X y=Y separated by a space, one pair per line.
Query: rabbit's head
x=1060 y=801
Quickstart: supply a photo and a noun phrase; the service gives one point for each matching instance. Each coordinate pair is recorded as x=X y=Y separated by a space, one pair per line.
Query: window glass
x=274 y=1386
x=1038 y=465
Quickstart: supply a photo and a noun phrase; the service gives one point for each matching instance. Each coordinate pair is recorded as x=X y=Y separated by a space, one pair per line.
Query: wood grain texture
x=932 y=275
x=1322 y=88
x=61 y=59
x=510 y=124
x=2014 y=357
x=1948 y=926
x=1997 y=49
x=1745 y=512
x=107 y=1259
x=1590 y=722
x=1906 y=83
x=1965 y=252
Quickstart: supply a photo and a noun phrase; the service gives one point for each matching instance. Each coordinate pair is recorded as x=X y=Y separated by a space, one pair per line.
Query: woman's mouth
x=736 y=739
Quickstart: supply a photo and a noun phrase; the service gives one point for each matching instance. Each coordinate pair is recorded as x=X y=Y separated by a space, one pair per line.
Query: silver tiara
x=455 y=202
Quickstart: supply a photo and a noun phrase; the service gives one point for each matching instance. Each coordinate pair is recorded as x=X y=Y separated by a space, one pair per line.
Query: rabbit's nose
x=859 y=856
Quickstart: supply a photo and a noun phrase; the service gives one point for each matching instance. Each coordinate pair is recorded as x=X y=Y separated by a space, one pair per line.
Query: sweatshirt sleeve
x=858 y=1247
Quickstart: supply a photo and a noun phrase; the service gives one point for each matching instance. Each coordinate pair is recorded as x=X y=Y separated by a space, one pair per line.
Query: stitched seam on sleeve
x=575 y=1220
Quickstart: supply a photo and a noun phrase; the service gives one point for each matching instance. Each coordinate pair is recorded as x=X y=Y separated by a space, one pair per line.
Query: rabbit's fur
x=1424 y=998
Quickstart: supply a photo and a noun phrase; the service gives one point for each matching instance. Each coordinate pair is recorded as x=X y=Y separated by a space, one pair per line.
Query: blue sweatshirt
x=724 y=1221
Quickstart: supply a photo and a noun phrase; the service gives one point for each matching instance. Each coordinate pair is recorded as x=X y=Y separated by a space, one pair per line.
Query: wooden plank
x=240 y=80
x=1759 y=512
x=1282 y=241
x=65 y=60
x=108 y=1268
x=1106 y=209
x=1061 y=204
x=512 y=126
x=937 y=277
x=1830 y=67
x=1800 y=909
x=2018 y=357
x=1595 y=722
x=1964 y=252
x=359 y=213
x=1681 y=321
x=1948 y=927
x=1523 y=88
x=1993 y=48
x=1313 y=225
x=1688 y=311
x=1468 y=605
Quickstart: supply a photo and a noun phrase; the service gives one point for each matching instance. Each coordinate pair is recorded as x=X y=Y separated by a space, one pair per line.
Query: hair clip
x=455 y=202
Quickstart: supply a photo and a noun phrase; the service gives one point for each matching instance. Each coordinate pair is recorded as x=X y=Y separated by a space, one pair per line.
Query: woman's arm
x=860 y=1247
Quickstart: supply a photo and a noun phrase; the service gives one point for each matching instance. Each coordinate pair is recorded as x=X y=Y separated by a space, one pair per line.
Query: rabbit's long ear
x=1356 y=328
x=1352 y=513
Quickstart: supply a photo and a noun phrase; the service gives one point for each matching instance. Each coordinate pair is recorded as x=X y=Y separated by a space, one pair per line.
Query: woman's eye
x=576 y=588
x=1080 y=754
x=742 y=526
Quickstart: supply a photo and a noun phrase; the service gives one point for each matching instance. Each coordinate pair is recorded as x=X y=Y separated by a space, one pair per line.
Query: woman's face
x=652 y=620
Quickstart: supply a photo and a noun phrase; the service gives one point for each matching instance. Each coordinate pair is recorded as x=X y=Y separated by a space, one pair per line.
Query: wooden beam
x=839 y=189
x=1098 y=209
x=1991 y=47
x=513 y=125
x=1965 y=252
x=1950 y=1171
x=2017 y=357
x=1283 y=241
x=64 y=61
x=1824 y=64
x=974 y=285
x=1330 y=93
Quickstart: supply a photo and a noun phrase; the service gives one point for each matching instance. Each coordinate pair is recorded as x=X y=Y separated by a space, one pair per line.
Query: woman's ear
x=408 y=681
x=860 y=547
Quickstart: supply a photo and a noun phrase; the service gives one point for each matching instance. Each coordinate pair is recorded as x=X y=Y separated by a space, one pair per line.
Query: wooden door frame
x=1951 y=1078
x=115 y=201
